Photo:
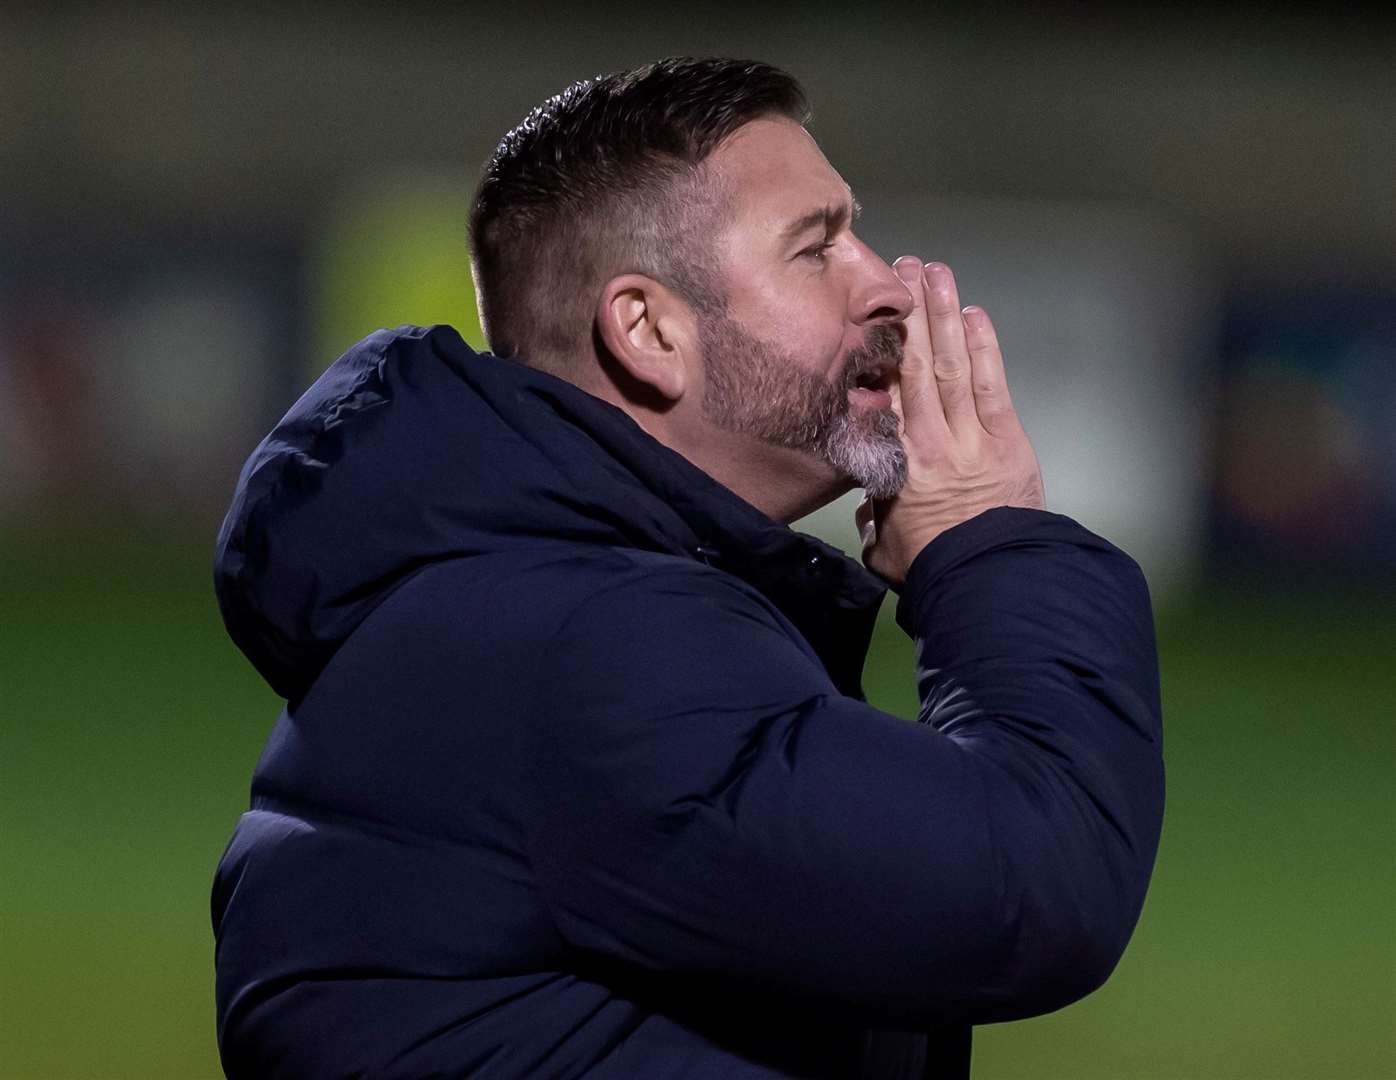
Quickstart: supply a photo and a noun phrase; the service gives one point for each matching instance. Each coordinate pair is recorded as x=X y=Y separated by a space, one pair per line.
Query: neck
x=783 y=484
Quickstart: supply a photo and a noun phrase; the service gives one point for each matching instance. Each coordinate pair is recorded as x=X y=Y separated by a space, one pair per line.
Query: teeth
x=873 y=378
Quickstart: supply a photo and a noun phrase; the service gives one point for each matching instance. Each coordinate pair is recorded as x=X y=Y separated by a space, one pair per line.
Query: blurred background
x=1184 y=226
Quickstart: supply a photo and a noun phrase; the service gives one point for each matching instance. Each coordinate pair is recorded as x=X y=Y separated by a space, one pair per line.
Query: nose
x=878 y=295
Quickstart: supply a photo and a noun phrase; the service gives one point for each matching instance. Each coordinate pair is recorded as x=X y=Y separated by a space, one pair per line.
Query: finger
x=916 y=395
x=863 y=519
x=949 y=352
x=991 y=400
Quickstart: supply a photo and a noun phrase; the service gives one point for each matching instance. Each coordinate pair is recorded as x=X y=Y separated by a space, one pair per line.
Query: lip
x=866 y=397
x=871 y=388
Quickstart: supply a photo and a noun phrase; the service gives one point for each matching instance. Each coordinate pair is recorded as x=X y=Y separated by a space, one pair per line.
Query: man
x=575 y=776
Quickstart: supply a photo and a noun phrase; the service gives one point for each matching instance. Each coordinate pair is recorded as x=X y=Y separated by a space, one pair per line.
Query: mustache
x=882 y=348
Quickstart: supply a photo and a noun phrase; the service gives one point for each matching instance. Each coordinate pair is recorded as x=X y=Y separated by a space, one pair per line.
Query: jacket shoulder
x=547 y=584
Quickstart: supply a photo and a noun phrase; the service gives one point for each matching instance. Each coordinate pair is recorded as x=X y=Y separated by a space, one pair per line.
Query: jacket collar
x=411 y=449
x=831 y=599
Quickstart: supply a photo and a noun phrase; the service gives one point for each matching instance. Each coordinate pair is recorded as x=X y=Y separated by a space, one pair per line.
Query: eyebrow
x=831 y=218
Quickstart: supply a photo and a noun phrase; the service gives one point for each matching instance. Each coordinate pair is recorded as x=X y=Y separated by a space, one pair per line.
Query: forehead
x=773 y=171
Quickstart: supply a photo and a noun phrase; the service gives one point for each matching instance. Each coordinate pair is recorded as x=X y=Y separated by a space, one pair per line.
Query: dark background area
x=1184 y=226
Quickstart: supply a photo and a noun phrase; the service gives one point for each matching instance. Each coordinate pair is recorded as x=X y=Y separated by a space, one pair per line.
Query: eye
x=817 y=252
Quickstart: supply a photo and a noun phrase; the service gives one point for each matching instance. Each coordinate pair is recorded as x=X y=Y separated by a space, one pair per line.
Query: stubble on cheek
x=756 y=389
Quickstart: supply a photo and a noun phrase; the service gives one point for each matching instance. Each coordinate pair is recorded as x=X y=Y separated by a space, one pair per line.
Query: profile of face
x=805 y=352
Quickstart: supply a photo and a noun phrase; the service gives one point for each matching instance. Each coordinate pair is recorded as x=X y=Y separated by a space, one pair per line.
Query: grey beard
x=869 y=453
x=755 y=389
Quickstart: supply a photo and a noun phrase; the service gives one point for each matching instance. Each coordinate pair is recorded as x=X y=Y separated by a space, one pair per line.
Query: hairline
x=690 y=264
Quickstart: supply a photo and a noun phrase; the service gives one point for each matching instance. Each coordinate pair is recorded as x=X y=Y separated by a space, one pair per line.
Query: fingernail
x=935 y=268
x=973 y=315
x=907 y=267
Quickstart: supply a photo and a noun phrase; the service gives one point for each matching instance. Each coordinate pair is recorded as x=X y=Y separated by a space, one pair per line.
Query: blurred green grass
x=129 y=726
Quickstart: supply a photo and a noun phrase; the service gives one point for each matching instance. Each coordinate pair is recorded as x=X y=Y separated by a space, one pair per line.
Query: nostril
x=886 y=313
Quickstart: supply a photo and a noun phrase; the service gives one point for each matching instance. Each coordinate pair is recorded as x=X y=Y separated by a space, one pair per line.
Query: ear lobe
x=642 y=325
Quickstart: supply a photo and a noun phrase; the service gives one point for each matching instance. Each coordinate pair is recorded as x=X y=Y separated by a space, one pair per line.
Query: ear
x=650 y=331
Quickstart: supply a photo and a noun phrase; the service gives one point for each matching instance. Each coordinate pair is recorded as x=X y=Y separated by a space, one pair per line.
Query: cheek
x=805 y=321
x=816 y=337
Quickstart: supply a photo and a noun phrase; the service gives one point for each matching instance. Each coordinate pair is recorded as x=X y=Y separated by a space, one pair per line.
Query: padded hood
x=412 y=448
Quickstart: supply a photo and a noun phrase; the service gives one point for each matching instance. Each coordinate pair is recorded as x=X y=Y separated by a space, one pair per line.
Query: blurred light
x=391 y=249
x=1306 y=454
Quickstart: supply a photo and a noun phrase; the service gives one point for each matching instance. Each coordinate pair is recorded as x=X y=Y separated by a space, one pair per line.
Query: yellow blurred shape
x=391 y=249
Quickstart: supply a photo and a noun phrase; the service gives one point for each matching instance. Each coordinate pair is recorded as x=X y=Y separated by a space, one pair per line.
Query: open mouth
x=871 y=388
x=875 y=378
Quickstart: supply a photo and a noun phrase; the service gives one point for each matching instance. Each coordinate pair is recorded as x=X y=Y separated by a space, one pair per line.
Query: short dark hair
x=603 y=179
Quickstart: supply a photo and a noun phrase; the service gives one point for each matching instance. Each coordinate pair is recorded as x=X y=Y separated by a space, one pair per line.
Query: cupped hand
x=966 y=450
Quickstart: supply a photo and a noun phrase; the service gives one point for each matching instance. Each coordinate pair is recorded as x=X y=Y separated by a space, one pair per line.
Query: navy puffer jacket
x=575 y=776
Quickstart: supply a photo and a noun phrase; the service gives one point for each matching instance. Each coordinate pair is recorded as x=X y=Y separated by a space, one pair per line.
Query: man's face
x=806 y=350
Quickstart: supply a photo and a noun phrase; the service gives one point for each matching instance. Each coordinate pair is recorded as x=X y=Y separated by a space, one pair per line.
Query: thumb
x=864 y=519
